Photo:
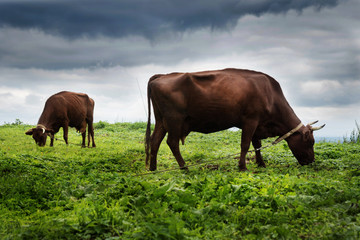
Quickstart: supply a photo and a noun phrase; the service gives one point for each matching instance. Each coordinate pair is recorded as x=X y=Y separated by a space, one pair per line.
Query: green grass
x=68 y=192
x=354 y=135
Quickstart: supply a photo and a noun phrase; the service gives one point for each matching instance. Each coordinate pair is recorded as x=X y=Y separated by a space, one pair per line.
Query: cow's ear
x=30 y=132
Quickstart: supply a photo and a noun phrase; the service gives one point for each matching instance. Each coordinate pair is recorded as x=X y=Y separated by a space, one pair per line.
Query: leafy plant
x=68 y=192
x=17 y=122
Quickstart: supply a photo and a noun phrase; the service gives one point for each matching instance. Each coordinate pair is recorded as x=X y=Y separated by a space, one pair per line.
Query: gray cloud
x=93 y=18
x=327 y=93
x=80 y=34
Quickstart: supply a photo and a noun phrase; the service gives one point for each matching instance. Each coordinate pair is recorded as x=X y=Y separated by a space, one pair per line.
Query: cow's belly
x=211 y=125
x=79 y=125
x=210 y=128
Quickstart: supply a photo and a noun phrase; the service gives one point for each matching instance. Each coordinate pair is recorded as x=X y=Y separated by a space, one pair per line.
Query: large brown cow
x=211 y=101
x=65 y=109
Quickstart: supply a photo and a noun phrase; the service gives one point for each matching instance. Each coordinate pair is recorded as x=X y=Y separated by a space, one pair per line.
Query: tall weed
x=354 y=135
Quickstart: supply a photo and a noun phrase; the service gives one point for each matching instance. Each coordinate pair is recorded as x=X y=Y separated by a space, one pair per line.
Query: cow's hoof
x=243 y=169
x=152 y=168
x=184 y=168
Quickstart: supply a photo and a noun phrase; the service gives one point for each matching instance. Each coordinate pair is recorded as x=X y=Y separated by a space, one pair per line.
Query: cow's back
x=68 y=106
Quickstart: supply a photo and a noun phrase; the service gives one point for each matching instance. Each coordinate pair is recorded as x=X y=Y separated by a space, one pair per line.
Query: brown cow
x=65 y=109
x=216 y=100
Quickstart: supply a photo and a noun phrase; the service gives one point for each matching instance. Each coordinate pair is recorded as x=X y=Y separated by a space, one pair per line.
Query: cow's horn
x=312 y=123
x=42 y=127
x=317 y=128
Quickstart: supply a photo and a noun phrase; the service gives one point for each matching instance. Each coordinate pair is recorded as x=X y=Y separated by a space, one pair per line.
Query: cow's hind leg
x=259 y=160
x=155 y=140
x=91 y=134
x=173 y=142
x=174 y=136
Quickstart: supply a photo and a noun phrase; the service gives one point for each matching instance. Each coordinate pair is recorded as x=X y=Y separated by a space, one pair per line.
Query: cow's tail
x=148 y=128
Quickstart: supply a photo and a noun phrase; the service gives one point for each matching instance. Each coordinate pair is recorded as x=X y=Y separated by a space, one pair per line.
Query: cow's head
x=302 y=142
x=39 y=134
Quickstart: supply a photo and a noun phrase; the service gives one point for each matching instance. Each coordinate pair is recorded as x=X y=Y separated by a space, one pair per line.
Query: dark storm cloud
x=92 y=18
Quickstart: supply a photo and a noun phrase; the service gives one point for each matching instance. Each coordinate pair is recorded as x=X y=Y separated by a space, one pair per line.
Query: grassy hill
x=69 y=192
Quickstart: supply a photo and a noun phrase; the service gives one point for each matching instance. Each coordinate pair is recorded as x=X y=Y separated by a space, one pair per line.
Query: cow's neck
x=43 y=122
x=287 y=122
x=46 y=121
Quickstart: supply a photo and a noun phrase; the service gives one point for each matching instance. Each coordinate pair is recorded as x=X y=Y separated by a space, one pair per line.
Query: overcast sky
x=109 y=49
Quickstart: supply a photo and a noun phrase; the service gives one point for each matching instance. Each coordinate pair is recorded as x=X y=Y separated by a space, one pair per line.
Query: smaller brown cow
x=65 y=109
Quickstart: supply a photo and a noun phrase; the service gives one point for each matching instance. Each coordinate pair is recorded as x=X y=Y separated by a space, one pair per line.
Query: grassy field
x=69 y=192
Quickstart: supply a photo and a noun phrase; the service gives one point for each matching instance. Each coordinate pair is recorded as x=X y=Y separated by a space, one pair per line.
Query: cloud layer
x=93 y=18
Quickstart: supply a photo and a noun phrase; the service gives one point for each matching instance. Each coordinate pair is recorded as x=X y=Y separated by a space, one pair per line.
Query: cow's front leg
x=259 y=160
x=66 y=130
x=83 y=139
x=244 y=149
x=246 y=136
x=51 y=140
